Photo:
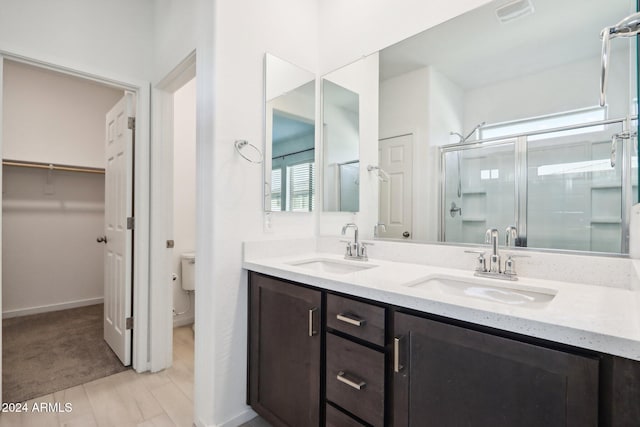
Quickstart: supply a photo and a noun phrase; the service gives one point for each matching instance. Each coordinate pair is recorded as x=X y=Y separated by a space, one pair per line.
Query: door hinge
x=129 y=323
x=131 y=124
x=131 y=223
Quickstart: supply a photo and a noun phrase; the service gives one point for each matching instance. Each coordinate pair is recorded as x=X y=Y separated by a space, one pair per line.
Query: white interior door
x=118 y=236
x=395 y=211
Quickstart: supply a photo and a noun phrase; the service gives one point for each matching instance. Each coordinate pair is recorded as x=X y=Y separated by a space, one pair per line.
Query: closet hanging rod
x=49 y=166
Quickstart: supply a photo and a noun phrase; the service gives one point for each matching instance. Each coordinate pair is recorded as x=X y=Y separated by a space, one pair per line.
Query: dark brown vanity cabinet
x=317 y=358
x=355 y=359
x=284 y=351
x=446 y=375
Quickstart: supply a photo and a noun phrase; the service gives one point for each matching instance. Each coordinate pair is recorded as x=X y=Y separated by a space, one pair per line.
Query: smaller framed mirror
x=289 y=164
x=341 y=147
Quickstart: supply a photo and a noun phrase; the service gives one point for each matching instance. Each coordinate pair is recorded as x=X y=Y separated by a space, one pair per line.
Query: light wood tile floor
x=125 y=399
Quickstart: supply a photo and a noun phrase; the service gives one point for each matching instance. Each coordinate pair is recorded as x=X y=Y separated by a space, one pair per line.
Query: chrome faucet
x=491 y=237
x=493 y=268
x=354 y=250
x=379 y=227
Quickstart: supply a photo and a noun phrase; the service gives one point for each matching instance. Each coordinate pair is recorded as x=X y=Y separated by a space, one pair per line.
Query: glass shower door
x=576 y=191
x=479 y=191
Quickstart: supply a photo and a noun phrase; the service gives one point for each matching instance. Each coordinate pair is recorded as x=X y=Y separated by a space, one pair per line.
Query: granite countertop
x=600 y=318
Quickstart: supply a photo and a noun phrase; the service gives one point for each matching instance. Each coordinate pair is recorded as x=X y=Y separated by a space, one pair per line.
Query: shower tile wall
x=576 y=205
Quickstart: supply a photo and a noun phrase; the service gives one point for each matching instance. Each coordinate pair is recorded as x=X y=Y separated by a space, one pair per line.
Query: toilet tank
x=188 y=271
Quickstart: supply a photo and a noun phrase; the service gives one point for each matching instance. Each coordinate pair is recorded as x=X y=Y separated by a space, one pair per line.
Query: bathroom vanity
x=348 y=343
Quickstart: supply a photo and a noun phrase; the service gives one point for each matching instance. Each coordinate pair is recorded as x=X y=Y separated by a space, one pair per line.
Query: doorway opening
x=53 y=197
x=174 y=258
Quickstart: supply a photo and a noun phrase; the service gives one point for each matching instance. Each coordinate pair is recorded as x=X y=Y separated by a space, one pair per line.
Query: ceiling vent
x=514 y=10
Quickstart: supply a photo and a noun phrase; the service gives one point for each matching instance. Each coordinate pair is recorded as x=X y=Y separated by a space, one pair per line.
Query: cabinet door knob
x=350 y=319
x=351 y=381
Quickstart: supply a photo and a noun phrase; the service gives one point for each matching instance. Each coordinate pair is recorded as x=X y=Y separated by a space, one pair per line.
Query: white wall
x=51 y=220
x=537 y=94
x=352 y=29
x=174 y=34
x=426 y=104
x=50 y=256
x=184 y=194
x=54 y=118
x=86 y=34
x=229 y=194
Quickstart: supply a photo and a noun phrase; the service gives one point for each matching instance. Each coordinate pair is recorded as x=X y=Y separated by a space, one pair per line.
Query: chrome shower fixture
x=628 y=27
x=465 y=138
x=382 y=175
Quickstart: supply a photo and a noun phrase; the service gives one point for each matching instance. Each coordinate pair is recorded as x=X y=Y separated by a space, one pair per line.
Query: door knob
x=406 y=234
x=102 y=239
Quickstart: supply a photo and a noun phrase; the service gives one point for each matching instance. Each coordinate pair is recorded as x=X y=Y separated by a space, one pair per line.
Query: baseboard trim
x=51 y=307
x=182 y=321
x=241 y=418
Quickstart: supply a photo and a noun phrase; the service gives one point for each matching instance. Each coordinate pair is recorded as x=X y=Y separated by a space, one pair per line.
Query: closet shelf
x=50 y=166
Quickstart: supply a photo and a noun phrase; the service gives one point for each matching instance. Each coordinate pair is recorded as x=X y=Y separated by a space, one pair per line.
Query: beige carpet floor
x=48 y=352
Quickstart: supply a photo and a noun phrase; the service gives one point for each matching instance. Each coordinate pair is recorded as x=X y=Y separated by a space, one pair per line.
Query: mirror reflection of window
x=289 y=137
x=292 y=163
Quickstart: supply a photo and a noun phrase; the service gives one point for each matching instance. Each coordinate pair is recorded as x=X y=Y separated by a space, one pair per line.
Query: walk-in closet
x=53 y=210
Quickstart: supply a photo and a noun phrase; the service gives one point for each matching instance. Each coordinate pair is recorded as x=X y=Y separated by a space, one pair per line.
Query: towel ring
x=240 y=144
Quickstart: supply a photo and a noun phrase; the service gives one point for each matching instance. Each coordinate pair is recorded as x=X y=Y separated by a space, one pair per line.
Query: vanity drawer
x=355 y=379
x=359 y=319
x=337 y=418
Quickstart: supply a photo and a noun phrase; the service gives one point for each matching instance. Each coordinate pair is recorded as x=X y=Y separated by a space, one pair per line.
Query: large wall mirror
x=289 y=163
x=492 y=120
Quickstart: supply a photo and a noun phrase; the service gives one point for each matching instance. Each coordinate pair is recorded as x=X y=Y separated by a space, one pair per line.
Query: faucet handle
x=481 y=262
x=510 y=265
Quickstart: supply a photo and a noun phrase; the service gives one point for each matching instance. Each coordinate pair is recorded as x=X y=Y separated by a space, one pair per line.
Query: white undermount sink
x=332 y=266
x=510 y=293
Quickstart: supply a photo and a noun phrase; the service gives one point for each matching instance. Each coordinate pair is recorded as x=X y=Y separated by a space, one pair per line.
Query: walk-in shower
x=558 y=187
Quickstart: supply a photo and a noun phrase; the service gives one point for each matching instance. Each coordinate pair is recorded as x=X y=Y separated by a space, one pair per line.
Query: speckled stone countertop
x=601 y=318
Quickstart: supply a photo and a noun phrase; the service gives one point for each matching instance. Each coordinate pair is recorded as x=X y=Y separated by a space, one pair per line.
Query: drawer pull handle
x=351 y=382
x=350 y=319
x=312 y=329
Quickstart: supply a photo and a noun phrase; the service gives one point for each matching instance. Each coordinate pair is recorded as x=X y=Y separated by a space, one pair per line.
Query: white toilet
x=189 y=273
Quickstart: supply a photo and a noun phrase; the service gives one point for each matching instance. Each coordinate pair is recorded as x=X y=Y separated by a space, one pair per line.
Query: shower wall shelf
x=606 y=187
x=606 y=221
x=474 y=219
